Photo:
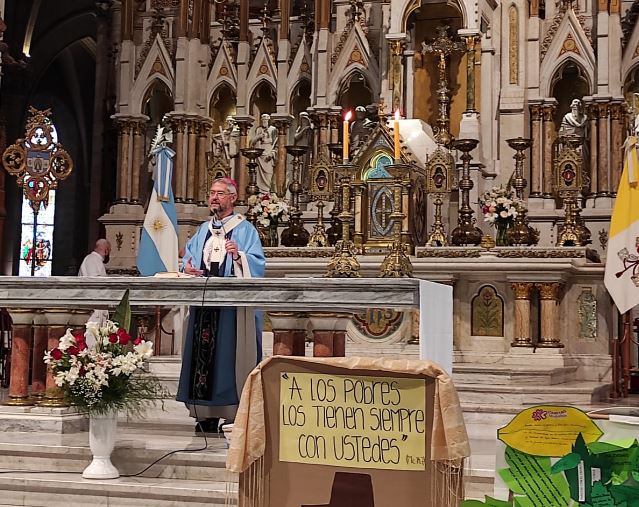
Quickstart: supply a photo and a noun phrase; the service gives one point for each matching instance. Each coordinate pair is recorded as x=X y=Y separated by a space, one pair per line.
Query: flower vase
x=501 y=236
x=102 y=433
x=268 y=235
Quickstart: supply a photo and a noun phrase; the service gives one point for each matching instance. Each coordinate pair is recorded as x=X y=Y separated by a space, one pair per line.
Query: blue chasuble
x=211 y=369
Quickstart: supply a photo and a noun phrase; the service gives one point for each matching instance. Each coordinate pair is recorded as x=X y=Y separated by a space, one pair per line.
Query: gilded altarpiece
x=374 y=196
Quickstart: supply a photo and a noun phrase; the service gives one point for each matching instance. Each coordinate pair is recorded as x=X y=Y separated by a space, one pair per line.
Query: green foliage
x=122 y=315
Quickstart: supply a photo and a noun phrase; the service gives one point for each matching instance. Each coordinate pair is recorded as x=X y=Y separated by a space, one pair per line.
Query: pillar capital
x=522 y=290
x=549 y=290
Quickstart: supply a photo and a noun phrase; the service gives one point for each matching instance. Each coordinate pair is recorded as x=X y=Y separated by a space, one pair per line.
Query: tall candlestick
x=396 y=136
x=345 y=154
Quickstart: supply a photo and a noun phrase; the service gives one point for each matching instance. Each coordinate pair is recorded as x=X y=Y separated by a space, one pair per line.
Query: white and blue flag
x=158 y=250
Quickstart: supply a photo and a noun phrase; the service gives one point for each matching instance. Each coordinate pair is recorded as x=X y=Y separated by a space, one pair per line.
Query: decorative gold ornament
x=487 y=242
x=466 y=233
x=439 y=181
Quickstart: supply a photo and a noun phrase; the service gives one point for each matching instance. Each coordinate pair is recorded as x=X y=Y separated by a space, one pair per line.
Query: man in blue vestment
x=222 y=345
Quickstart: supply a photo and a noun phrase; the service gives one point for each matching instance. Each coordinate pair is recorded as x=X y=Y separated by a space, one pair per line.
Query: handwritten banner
x=356 y=422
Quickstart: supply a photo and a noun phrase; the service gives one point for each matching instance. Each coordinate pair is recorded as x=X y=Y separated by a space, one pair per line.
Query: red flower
x=56 y=354
x=123 y=336
x=79 y=338
x=83 y=371
x=137 y=341
x=82 y=346
x=113 y=338
x=73 y=350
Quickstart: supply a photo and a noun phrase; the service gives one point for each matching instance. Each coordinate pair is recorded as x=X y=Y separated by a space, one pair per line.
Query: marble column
x=536 y=115
x=549 y=137
x=521 y=332
x=322 y=117
x=335 y=124
x=202 y=148
x=190 y=161
x=289 y=332
x=282 y=126
x=38 y=367
x=471 y=43
x=244 y=124
x=616 y=143
x=58 y=321
x=124 y=172
x=549 y=293
x=603 y=178
x=339 y=334
x=20 y=341
x=323 y=326
x=178 y=168
x=395 y=71
x=138 y=128
x=592 y=112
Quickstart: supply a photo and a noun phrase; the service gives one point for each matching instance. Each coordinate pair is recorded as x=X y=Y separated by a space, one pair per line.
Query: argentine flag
x=158 y=250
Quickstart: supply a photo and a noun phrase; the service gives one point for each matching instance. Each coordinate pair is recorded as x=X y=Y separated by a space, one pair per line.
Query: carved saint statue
x=304 y=131
x=226 y=142
x=266 y=138
x=574 y=122
x=360 y=128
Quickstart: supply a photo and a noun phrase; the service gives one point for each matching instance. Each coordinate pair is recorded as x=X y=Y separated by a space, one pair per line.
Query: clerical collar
x=216 y=224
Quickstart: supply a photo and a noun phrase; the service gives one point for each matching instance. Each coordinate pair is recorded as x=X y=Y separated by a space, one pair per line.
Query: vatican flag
x=158 y=250
x=622 y=262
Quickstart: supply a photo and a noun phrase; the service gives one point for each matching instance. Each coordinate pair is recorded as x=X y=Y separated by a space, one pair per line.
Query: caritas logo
x=541 y=414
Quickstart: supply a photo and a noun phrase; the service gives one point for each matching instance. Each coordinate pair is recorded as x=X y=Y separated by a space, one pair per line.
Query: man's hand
x=231 y=248
x=190 y=269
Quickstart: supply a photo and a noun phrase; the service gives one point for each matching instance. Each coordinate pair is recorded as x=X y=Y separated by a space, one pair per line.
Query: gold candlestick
x=466 y=233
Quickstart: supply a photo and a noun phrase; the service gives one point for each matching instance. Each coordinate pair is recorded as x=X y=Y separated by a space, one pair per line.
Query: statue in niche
x=360 y=129
x=574 y=122
x=304 y=136
x=265 y=137
x=226 y=142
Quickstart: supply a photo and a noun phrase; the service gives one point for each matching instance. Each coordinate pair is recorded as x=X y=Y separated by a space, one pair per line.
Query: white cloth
x=92 y=265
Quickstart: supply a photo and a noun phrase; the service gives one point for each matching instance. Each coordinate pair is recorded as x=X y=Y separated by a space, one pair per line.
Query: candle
x=345 y=153
x=398 y=151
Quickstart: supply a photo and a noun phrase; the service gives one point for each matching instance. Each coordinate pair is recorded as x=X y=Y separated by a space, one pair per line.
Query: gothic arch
x=400 y=16
x=155 y=82
x=256 y=94
x=346 y=80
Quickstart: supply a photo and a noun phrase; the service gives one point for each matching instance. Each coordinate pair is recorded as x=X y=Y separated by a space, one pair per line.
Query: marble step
x=70 y=453
x=64 y=489
x=573 y=393
x=484 y=374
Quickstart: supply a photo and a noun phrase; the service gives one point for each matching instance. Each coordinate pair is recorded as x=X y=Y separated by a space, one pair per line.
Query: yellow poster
x=547 y=430
x=349 y=421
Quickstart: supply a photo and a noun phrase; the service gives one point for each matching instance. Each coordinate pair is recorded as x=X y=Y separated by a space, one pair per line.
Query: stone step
x=65 y=489
x=481 y=374
x=574 y=393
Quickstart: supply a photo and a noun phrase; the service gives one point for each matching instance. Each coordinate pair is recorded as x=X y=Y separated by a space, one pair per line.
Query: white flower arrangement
x=268 y=209
x=499 y=206
x=100 y=377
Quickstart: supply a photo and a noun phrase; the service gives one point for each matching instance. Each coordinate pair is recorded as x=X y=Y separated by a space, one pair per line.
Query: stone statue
x=265 y=137
x=304 y=131
x=226 y=142
x=360 y=129
x=574 y=122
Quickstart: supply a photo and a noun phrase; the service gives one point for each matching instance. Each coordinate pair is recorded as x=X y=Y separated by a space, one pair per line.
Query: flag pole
x=625 y=353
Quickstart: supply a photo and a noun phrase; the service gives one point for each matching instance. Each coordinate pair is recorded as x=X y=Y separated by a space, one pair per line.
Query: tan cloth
x=449 y=437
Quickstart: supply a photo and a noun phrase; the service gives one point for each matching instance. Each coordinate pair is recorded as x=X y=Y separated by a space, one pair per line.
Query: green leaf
x=122 y=313
x=568 y=462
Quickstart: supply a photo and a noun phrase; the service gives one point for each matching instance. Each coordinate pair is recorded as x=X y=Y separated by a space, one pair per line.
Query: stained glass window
x=36 y=260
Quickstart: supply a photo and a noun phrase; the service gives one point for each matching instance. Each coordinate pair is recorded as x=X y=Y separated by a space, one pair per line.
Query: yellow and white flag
x=622 y=262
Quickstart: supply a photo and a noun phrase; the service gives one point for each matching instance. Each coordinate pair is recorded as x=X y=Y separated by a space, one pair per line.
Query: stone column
x=521 y=333
x=322 y=117
x=244 y=125
x=335 y=123
x=138 y=128
x=536 y=115
x=58 y=321
x=593 y=114
x=616 y=143
x=282 y=125
x=38 y=367
x=339 y=334
x=323 y=325
x=602 y=151
x=549 y=293
x=202 y=148
x=178 y=167
x=549 y=137
x=20 y=341
x=395 y=71
x=289 y=331
x=124 y=172
x=471 y=43
x=190 y=161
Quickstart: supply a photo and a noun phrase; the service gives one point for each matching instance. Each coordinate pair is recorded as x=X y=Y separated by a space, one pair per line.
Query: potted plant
x=100 y=372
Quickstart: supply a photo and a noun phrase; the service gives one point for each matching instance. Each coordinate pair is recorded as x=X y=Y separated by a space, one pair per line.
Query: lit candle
x=345 y=153
x=398 y=150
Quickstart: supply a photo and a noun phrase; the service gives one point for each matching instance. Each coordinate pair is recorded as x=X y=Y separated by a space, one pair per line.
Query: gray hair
x=230 y=183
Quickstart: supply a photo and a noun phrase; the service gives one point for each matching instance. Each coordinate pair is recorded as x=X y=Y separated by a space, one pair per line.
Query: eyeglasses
x=219 y=194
